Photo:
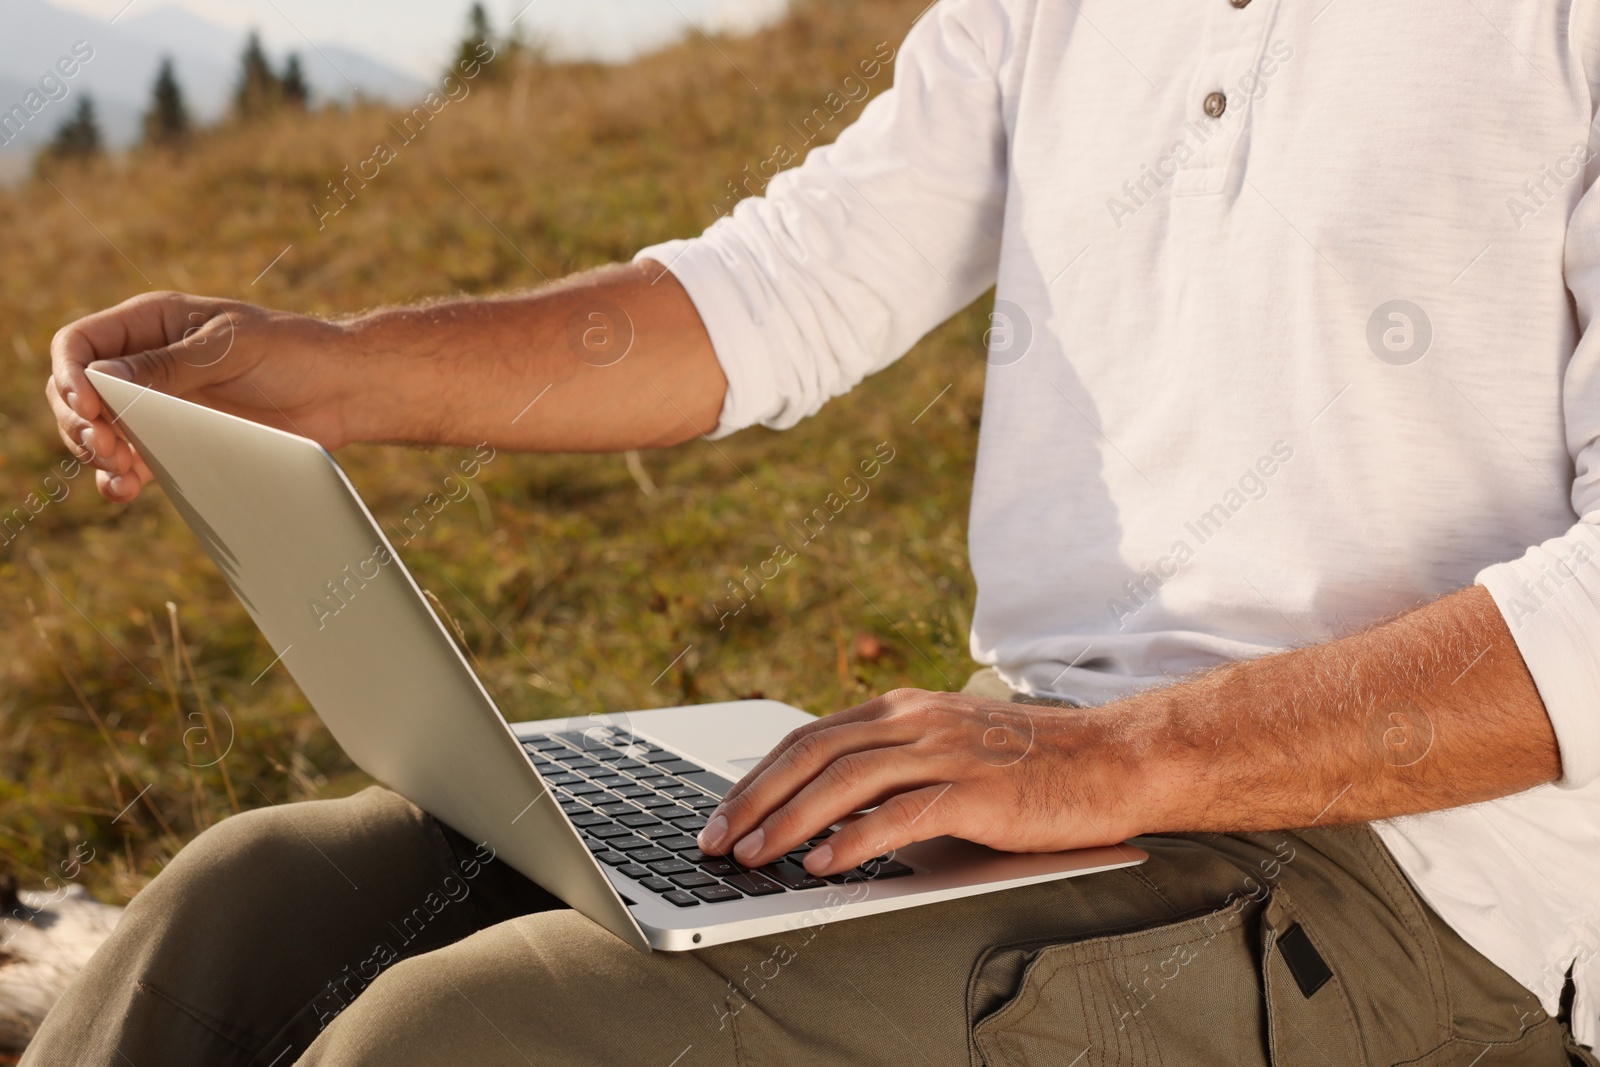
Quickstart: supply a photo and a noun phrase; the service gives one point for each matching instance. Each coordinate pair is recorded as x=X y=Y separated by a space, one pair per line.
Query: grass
x=138 y=704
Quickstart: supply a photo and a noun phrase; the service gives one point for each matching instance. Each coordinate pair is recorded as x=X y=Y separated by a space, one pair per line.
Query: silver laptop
x=602 y=810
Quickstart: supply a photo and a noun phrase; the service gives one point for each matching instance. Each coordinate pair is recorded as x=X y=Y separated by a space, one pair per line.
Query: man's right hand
x=270 y=367
x=621 y=351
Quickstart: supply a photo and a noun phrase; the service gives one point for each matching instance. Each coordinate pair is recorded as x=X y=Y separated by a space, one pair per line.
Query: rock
x=45 y=939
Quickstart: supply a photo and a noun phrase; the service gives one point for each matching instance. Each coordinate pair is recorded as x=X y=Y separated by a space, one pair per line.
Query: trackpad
x=729 y=737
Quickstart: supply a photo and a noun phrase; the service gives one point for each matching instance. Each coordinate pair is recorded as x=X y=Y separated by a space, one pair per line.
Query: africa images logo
x=1399 y=332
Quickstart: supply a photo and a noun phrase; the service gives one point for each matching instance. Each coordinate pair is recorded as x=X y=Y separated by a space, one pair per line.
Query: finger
x=122 y=488
x=95 y=443
x=131 y=326
x=901 y=820
x=196 y=358
x=875 y=708
x=825 y=722
x=71 y=428
x=788 y=772
x=848 y=784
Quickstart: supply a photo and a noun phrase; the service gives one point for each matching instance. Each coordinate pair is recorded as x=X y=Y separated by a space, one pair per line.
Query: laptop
x=602 y=810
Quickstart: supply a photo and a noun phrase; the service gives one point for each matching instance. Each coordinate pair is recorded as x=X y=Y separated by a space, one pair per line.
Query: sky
x=417 y=35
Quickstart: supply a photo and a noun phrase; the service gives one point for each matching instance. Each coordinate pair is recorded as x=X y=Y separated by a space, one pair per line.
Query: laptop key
x=671 y=866
x=635 y=870
x=681 y=791
x=651 y=856
x=703 y=804
x=659 y=830
x=617 y=807
x=656 y=801
x=564 y=779
x=581 y=738
x=885 y=868
x=656 y=884
x=630 y=844
x=574 y=807
x=672 y=813
x=612 y=781
x=711 y=783
x=715 y=894
x=692 y=880
x=627 y=764
x=690 y=823
x=678 y=766
x=612 y=859
x=595 y=845
x=681 y=898
x=550 y=770
x=693 y=855
x=752 y=884
x=632 y=790
x=792 y=875
x=680 y=843
x=636 y=818
x=720 y=867
x=590 y=818
x=587 y=789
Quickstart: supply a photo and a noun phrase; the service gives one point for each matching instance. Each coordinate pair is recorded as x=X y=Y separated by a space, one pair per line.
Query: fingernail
x=119 y=485
x=713 y=832
x=819 y=858
x=115 y=367
x=71 y=397
x=751 y=844
x=86 y=438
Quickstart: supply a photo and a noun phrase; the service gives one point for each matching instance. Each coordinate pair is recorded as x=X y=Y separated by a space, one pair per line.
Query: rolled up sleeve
x=847 y=260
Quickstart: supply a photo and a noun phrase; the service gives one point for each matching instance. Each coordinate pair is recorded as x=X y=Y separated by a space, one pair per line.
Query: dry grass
x=112 y=704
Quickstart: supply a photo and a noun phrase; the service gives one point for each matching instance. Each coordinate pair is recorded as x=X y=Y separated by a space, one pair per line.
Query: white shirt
x=1208 y=432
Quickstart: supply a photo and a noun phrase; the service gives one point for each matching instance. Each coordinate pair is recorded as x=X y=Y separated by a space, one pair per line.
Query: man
x=1291 y=339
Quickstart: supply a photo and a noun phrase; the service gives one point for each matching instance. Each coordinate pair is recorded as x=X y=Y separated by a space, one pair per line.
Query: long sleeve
x=847 y=260
x=1550 y=596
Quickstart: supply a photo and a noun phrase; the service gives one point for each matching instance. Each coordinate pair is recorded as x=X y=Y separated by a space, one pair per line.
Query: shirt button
x=1215 y=105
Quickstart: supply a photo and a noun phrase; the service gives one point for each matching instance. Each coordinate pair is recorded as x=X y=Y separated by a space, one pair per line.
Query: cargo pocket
x=1187 y=992
x=1309 y=1021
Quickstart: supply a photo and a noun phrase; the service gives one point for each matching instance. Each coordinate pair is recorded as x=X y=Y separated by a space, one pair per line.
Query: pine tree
x=167 y=123
x=296 y=93
x=471 y=50
x=259 y=90
x=79 y=138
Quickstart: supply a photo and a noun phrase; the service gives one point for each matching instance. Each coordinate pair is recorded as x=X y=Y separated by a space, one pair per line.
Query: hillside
x=138 y=704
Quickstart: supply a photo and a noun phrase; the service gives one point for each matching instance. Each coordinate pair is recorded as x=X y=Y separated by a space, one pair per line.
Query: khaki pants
x=361 y=931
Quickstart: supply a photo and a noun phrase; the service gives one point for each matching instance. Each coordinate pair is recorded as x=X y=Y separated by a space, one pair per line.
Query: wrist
x=373 y=380
x=1159 y=787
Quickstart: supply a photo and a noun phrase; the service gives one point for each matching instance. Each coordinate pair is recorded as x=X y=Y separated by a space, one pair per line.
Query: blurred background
x=204 y=147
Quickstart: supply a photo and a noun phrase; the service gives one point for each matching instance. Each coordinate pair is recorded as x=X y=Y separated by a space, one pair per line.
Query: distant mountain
x=159 y=28
x=127 y=55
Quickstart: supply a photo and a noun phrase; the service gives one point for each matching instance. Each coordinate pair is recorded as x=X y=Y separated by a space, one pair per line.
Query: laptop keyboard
x=640 y=807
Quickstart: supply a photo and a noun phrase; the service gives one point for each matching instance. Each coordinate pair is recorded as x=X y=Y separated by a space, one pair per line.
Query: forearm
x=613 y=359
x=1434 y=709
